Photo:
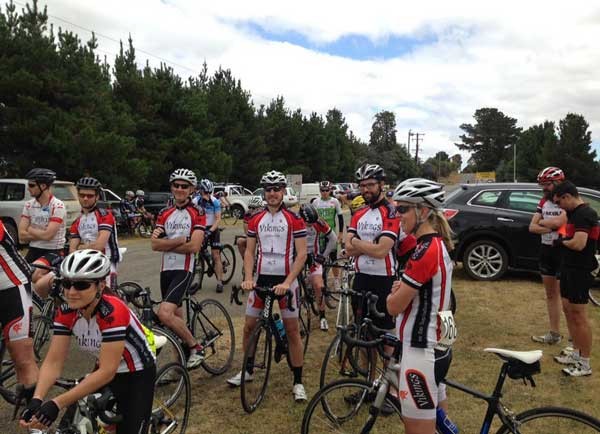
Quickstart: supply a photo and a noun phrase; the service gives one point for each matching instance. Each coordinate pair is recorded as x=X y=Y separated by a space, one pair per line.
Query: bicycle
x=204 y=263
x=98 y=413
x=259 y=351
x=229 y=217
x=331 y=410
x=208 y=320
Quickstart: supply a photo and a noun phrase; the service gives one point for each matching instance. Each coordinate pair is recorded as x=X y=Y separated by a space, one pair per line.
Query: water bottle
x=280 y=327
x=443 y=422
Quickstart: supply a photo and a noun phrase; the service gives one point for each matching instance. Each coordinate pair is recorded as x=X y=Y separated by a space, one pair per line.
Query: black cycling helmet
x=309 y=213
x=89 y=183
x=370 y=171
x=41 y=176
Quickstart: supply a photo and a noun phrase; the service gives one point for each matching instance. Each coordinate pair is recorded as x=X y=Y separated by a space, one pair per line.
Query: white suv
x=14 y=194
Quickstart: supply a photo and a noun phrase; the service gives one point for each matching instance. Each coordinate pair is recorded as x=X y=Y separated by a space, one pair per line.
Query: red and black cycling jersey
x=111 y=321
x=429 y=271
x=582 y=219
x=14 y=270
x=275 y=235
x=370 y=224
x=87 y=226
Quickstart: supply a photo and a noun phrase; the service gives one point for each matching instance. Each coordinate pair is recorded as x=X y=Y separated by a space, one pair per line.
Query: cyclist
x=128 y=210
x=328 y=208
x=178 y=235
x=578 y=262
x=138 y=203
x=416 y=299
x=225 y=204
x=274 y=229
x=548 y=219
x=42 y=223
x=15 y=311
x=316 y=226
x=211 y=206
x=104 y=326
x=254 y=205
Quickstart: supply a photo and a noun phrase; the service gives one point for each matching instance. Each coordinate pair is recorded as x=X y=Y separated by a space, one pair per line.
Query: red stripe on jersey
x=9 y=273
x=128 y=360
x=404 y=320
x=288 y=241
x=595 y=233
x=55 y=219
x=442 y=267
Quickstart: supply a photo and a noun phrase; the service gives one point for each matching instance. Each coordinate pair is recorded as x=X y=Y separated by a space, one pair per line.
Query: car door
x=513 y=215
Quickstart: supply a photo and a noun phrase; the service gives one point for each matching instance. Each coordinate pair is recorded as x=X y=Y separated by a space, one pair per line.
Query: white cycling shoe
x=236 y=380
x=299 y=392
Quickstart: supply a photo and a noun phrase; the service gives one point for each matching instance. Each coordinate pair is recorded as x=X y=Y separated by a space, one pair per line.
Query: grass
x=492 y=314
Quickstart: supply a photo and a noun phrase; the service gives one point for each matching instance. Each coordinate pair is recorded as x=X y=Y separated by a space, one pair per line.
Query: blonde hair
x=439 y=223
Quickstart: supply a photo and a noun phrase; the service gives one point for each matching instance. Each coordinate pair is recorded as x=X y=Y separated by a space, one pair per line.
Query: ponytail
x=441 y=226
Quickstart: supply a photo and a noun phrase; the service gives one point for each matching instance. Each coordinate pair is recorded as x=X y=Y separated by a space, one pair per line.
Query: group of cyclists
x=407 y=226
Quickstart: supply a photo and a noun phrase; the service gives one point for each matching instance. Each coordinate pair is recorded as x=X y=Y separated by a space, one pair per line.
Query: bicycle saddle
x=527 y=357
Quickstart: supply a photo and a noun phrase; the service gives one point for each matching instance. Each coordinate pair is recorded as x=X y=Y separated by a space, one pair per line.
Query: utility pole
x=410 y=134
x=515 y=161
x=417 y=146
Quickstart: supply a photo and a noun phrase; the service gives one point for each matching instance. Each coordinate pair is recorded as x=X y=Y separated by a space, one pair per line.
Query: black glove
x=47 y=413
x=558 y=242
x=31 y=409
x=320 y=259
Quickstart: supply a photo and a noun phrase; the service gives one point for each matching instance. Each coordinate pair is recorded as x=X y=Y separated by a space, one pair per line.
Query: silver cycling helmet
x=207 y=186
x=183 y=175
x=88 y=183
x=85 y=264
x=370 y=171
x=255 y=202
x=139 y=193
x=129 y=193
x=420 y=190
x=273 y=178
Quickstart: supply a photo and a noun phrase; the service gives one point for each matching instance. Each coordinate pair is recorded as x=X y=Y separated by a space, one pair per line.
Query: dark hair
x=566 y=187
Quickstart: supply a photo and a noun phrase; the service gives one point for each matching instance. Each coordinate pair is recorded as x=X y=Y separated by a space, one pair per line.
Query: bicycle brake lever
x=235 y=292
x=290 y=298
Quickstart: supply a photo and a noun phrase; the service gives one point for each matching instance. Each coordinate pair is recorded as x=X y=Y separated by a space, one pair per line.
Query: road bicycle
x=204 y=263
x=354 y=405
x=258 y=354
x=229 y=217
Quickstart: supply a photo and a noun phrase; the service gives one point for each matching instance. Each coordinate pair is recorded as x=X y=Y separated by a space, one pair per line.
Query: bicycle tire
x=557 y=420
x=331 y=300
x=331 y=409
x=124 y=290
x=7 y=372
x=199 y=270
x=144 y=230
x=594 y=295
x=304 y=321
x=42 y=334
x=163 y=410
x=172 y=351
x=228 y=260
x=216 y=334
x=261 y=352
x=341 y=361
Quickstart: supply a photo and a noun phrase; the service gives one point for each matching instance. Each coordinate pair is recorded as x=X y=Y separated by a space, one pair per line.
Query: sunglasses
x=79 y=285
x=31 y=185
x=323 y=190
x=270 y=189
x=87 y=196
x=403 y=209
x=368 y=185
x=176 y=185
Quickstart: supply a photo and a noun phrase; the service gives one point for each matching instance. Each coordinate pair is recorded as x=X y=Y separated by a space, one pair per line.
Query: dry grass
x=495 y=314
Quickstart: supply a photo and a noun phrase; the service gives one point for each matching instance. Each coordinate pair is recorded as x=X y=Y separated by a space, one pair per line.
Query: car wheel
x=237 y=211
x=485 y=260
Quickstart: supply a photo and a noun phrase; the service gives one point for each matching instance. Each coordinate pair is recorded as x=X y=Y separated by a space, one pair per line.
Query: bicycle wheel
x=228 y=261
x=144 y=229
x=257 y=360
x=555 y=420
x=199 y=270
x=126 y=291
x=344 y=407
x=171 y=406
x=594 y=295
x=171 y=351
x=212 y=326
x=304 y=320
x=343 y=361
x=42 y=330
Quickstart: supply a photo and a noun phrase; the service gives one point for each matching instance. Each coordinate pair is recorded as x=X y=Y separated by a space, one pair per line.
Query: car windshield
x=64 y=191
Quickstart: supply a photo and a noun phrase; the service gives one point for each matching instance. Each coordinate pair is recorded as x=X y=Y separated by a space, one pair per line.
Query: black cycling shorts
x=134 y=393
x=174 y=284
x=575 y=285
x=214 y=240
x=550 y=260
x=380 y=286
x=52 y=258
x=16 y=313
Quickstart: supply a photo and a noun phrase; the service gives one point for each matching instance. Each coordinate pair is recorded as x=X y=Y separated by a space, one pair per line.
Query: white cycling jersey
x=548 y=209
x=40 y=216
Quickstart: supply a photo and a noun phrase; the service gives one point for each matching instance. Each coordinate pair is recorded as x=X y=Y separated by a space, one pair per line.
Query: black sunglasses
x=323 y=190
x=181 y=186
x=403 y=209
x=79 y=285
x=270 y=189
x=31 y=185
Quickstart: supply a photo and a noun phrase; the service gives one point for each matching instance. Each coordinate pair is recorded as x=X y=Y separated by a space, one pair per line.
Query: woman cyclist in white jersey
x=104 y=326
x=416 y=299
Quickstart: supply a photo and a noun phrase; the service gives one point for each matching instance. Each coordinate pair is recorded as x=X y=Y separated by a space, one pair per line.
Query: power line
x=162 y=59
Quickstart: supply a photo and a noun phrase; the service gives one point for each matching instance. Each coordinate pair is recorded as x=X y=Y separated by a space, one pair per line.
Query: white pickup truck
x=238 y=197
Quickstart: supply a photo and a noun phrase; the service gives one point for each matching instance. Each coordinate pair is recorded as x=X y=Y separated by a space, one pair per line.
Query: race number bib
x=449 y=329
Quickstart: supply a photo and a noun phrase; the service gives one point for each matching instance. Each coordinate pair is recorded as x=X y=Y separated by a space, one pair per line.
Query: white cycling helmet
x=255 y=202
x=85 y=264
x=184 y=175
x=207 y=186
x=420 y=190
x=139 y=193
x=273 y=178
x=129 y=193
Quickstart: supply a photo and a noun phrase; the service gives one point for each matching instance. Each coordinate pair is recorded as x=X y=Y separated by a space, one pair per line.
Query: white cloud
x=532 y=61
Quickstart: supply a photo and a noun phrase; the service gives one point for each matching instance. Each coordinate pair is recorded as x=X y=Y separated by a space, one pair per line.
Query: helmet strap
x=420 y=220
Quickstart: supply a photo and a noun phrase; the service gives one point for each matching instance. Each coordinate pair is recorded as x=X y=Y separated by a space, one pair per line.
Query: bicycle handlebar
x=99 y=407
x=44 y=267
x=263 y=291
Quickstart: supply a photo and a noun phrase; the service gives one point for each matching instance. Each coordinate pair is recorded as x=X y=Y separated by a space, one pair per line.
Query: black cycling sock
x=297 y=374
x=250 y=365
x=321 y=314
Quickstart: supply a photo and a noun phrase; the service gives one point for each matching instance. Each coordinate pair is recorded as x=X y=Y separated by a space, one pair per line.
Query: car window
x=64 y=191
x=524 y=200
x=486 y=198
x=235 y=191
x=247 y=192
x=593 y=201
x=258 y=192
x=12 y=191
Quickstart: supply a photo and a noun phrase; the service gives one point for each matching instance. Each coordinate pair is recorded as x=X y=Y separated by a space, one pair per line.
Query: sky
x=432 y=63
